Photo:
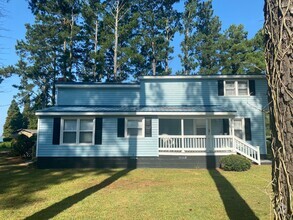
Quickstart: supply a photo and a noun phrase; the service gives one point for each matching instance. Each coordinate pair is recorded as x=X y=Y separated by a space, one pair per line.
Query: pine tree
x=206 y=39
x=28 y=114
x=13 y=120
x=234 y=50
x=255 y=59
x=92 y=58
x=188 y=30
x=157 y=28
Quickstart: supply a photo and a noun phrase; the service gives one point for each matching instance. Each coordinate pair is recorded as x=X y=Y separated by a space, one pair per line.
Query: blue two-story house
x=162 y=121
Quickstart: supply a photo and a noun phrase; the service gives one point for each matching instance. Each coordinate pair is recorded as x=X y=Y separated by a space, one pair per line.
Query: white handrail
x=200 y=143
x=247 y=150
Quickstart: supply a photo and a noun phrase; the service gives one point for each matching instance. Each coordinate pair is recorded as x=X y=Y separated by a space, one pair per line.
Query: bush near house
x=23 y=146
x=235 y=163
x=5 y=146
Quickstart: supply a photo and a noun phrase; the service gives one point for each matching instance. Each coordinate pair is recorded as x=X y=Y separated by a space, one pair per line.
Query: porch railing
x=169 y=144
x=178 y=143
x=247 y=150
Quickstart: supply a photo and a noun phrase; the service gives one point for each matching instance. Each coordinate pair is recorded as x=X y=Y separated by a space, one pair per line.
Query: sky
x=247 y=12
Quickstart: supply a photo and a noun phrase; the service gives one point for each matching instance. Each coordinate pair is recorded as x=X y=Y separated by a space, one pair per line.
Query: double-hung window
x=236 y=88
x=239 y=127
x=134 y=127
x=77 y=131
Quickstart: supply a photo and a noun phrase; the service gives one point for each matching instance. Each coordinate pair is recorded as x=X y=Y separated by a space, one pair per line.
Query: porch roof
x=138 y=110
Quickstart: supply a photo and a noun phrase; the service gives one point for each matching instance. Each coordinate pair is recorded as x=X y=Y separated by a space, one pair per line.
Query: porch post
x=182 y=135
x=233 y=136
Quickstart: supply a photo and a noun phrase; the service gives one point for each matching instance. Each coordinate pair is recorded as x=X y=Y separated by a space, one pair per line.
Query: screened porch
x=195 y=136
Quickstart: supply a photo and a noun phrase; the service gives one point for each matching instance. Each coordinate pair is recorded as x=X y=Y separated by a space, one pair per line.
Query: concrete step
x=265 y=162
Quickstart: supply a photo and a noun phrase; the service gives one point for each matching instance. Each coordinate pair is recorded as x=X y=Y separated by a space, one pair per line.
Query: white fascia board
x=206 y=77
x=136 y=113
x=96 y=86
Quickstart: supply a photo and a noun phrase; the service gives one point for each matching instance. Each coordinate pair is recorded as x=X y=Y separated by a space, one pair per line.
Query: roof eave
x=231 y=113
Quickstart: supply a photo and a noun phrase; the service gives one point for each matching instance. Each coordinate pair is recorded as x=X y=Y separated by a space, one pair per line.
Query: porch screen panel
x=170 y=126
x=200 y=126
x=194 y=126
x=189 y=127
x=217 y=126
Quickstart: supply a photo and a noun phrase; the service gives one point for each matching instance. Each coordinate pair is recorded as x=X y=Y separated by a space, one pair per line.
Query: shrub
x=7 y=139
x=5 y=145
x=235 y=163
x=23 y=146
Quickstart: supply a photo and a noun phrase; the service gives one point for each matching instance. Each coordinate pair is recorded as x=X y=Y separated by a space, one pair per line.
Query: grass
x=26 y=192
x=5 y=146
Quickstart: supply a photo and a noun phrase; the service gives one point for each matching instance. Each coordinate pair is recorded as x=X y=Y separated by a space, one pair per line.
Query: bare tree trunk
x=116 y=39
x=71 y=43
x=167 y=38
x=154 y=62
x=64 y=61
x=96 y=50
x=186 y=48
x=279 y=50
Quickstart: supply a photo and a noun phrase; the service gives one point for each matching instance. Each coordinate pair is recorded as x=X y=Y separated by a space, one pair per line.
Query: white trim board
x=205 y=77
x=79 y=85
x=232 y=114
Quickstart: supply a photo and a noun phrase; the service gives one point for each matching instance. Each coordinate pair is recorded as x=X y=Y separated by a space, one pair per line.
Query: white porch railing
x=247 y=150
x=170 y=144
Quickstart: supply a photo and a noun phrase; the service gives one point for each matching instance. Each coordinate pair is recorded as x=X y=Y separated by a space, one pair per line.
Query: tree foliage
x=13 y=120
x=120 y=40
x=278 y=55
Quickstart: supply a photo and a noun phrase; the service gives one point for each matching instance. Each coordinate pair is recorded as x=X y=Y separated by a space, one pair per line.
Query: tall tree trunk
x=96 y=51
x=116 y=39
x=154 y=62
x=279 y=50
x=186 y=49
x=71 y=44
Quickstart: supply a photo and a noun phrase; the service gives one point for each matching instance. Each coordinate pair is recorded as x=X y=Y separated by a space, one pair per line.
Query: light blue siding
x=205 y=92
x=98 y=96
x=152 y=92
x=112 y=145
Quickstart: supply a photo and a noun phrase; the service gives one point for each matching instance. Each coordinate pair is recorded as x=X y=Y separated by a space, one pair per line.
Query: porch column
x=182 y=135
x=232 y=133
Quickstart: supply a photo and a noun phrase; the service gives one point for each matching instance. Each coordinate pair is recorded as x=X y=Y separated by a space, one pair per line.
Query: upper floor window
x=236 y=88
x=134 y=127
x=77 y=131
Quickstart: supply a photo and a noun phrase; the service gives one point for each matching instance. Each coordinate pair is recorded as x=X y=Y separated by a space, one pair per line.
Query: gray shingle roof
x=193 y=108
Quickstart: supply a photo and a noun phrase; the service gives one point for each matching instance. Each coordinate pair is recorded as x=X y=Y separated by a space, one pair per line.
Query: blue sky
x=248 y=12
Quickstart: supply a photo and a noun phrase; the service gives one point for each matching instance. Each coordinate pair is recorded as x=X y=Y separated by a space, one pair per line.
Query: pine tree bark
x=279 y=50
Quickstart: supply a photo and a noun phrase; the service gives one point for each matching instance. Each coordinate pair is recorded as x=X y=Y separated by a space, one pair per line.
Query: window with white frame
x=134 y=127
x=77 y=131
x=236 y=88
x=239 y=127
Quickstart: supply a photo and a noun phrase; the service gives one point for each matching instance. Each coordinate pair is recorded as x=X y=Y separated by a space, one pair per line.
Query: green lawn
x=26 y=192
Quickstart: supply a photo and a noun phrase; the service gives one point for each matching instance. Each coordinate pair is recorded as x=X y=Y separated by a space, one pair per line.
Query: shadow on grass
x=20 y=184
x=235 y=206
x=66 y=203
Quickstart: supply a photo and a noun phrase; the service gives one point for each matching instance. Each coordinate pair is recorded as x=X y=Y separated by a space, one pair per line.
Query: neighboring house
x=164 y=121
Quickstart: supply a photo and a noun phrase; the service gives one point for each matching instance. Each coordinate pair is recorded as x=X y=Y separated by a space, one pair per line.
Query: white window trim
x=143 y=127
x=243 y=126
x=236 y=87
x=77 y=131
